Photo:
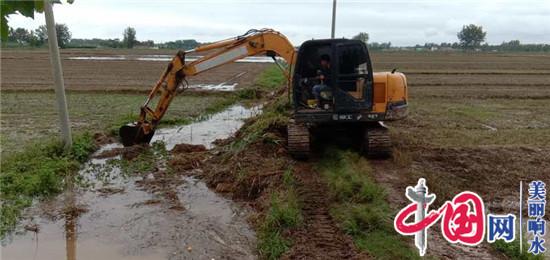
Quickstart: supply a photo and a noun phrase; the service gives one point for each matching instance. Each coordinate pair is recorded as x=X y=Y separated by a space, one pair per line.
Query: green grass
x=273 y=115
x=360 y=206
x=512 y=250
x=146 y=161
x=284 y=213
x=270 y=79
x=37 y=172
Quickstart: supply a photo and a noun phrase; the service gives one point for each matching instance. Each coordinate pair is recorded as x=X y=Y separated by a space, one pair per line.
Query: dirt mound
x=188 y=148
x=103 y=139
x=319 y=237
x=187 y=157
x=127 y=153
x=256 y=167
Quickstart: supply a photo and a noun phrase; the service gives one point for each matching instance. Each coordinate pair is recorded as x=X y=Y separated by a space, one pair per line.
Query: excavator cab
x=355 y=103
x=350 y=87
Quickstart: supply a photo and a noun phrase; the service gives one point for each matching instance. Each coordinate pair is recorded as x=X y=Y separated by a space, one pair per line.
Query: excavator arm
x=254 y=42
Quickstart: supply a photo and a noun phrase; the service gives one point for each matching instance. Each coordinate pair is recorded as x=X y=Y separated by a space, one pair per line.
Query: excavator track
x=298 y=141
x=377 y=142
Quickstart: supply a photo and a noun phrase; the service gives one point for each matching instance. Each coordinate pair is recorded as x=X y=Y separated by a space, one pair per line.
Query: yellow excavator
x=355 y=101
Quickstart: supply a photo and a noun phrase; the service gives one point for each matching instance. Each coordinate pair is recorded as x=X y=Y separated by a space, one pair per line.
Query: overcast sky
x=400 y=22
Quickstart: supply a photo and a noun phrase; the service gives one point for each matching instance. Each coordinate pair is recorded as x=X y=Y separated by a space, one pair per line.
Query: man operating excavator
x=323 y=75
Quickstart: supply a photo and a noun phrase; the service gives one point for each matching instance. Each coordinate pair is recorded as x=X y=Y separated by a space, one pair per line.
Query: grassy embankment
x=360 y=206
x=283 y=210
x=34 y=164
x=284 y=213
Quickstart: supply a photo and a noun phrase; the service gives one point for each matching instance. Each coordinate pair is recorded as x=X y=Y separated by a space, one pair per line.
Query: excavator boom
x=254 y=42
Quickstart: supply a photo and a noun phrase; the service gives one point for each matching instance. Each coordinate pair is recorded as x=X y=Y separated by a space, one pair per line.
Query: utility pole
x=57 y=72
x=333 y=18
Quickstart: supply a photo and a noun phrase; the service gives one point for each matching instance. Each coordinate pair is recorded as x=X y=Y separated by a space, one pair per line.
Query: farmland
x=478 y=121
x=30 y=70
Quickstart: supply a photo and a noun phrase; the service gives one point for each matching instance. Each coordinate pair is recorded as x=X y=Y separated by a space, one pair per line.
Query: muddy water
x=217 y=87
x=118 y=219
x=220 y=125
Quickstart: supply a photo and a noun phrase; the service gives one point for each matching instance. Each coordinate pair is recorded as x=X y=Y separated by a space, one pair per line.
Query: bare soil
x=30 y=70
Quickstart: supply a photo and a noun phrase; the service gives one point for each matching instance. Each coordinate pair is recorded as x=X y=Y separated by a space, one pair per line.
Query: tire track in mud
x=319 y=237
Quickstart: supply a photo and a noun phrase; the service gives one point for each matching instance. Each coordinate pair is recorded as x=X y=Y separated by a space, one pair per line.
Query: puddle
x=123 y=219
x=120 y=57
x=217 y=87
x=220 y=125
x=253 y=59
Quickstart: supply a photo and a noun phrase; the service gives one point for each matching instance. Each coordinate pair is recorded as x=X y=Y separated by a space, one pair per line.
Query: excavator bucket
x=133 y=133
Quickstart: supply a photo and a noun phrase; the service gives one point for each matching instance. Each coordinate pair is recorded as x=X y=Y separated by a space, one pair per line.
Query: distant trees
x=362 y=36
x=19 y=35
x=147 y=44
x=24 y=37
x=511 y=45
x=95 y=42
x=42 y=34
x=471 y=36
x=379 y=46
x=180 y=44
x=129 y=37
x=516 y=45
x=63 y=35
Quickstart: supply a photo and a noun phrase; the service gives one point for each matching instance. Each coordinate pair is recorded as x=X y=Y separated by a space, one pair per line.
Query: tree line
x=21 y=37
x=471 y=37
x=39 y=36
